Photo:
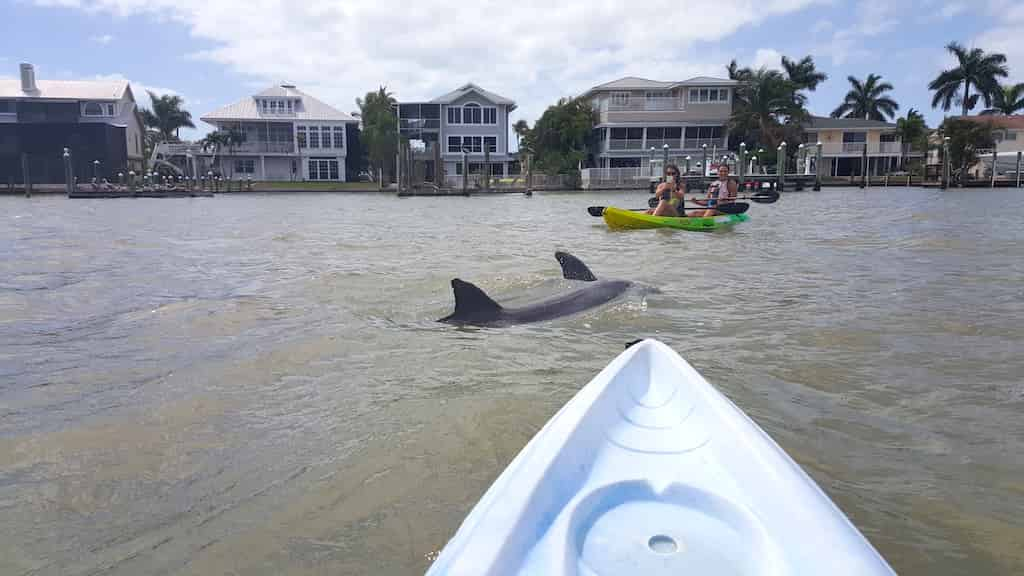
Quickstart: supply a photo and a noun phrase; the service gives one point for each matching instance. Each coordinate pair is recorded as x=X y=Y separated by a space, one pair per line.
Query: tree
x=561 y=138
x=974 y=68
x=913 y=131
x=379 y=134
x=737 y=73
x=522 y=129
x=215 y=141
x=966 y=137
x=867 y=100
x=1009 y=100
x=166 y=115
x=768 y=108
x=803 y=73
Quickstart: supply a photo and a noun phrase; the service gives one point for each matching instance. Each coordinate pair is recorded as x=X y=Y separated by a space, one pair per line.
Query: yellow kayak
x=619 y=219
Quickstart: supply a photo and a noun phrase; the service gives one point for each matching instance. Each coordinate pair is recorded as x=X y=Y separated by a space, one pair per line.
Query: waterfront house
x=844 y=141
x=462 y=123
x=282 y=133
x=636 y=115
x=1008 y=135
x=98 y=121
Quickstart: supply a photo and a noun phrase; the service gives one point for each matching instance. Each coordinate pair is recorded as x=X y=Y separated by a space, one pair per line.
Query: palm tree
x=767 y=105
x=974 y=67
x=803 y=73
x=912 y=130
x=1009 y=100
x=166 y=115
x=214 y=141
x=867 y=100
x=522 y=129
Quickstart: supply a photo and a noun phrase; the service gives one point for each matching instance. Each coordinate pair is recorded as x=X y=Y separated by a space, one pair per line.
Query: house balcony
x=857 y=148
x=659 y=104
x=260 y=148
x=693 y=144
x=414 y=124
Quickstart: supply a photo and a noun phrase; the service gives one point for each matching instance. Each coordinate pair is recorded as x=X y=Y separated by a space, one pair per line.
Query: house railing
x=641 y=104
x=633 y=144
x=696 y=143
x=419 y=123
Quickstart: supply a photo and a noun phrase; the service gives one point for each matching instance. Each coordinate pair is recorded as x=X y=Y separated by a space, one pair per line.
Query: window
x=855 y=137
x=458 y=168
x=653 y=94
x=474 y=143
x=263 y=105
x=472 y=114
x=887 y=138
x=515 y=168
x=339 y=136
x=98 y=109
x=7 y=107
x=673 y=133
x=497 y=169
x=454 y=143
x=476 y=168
x=300 y=134
x=620 y=98
x=1011 y=135
x=492 y=143
x=455 y=115
x=490 y=115
x=314 y=136
x=273 y=106
x=323 y=169
x=245 y=166
x=289 y=106
x=709 y=95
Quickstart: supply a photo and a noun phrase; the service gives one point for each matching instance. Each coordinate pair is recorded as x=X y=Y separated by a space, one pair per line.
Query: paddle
x=732 y=208
x=759 y=198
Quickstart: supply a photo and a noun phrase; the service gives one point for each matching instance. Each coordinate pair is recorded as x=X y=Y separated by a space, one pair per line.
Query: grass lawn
x=316 y=186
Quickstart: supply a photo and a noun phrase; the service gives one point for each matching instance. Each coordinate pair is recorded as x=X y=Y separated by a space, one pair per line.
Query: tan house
x=844 y=141
x=636 y=115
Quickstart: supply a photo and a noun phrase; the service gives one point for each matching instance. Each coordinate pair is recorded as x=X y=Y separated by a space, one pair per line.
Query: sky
x=215 y=52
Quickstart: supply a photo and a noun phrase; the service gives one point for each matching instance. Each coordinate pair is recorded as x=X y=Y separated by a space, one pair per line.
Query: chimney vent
x=28 y=79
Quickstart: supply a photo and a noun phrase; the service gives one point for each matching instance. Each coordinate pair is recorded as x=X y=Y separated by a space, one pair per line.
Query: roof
x=1004 y=122
x=246 y=109
x=65 y=89
x=468 y=88
x=828 y=123
x=636 y=83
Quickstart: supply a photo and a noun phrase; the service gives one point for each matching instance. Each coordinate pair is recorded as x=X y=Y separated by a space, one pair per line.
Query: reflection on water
x=256 y=384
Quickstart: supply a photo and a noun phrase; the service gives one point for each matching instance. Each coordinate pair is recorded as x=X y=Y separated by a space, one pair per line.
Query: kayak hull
x=650 y=470
x=619 y=219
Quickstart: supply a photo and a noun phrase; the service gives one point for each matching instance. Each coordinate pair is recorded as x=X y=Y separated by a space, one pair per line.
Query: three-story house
x=460 y=125
x=280 y=134
x=637 y=118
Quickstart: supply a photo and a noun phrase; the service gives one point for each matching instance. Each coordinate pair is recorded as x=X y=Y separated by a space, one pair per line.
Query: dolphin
x=473 y=307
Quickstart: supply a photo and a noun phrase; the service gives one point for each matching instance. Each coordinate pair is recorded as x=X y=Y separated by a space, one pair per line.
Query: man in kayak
x=721 y=191
x=670 y=194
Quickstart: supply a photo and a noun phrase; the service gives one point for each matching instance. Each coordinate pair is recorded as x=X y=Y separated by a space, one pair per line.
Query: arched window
x=92 y=109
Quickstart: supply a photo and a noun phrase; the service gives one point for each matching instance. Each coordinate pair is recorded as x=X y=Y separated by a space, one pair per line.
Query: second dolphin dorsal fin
x=573 y=268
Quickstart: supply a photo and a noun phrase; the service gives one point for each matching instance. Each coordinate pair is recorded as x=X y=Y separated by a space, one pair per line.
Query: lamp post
x=945 y=163
x=687 y=165
x=69 y=184
x=664 y=156
x=96 y=170
x=817 y=166
x=704 y=161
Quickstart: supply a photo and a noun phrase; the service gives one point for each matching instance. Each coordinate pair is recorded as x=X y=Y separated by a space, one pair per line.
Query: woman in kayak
x=670 y=194
x=721 y=191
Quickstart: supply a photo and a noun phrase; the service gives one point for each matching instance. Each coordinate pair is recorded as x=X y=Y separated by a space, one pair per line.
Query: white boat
x=649 y=470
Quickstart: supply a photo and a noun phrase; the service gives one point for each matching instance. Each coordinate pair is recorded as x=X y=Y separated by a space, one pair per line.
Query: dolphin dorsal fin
x=573 y=268
x=471 y=301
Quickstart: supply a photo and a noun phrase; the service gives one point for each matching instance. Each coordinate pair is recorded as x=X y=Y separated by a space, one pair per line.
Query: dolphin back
x=573 y=268
x=472 y=305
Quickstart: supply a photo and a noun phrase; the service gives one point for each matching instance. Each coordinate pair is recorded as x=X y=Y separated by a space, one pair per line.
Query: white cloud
x=951 y=9
x=850 y=42
x=102 y=38
x=821 y=27
x=533 y=51
x=768 y=58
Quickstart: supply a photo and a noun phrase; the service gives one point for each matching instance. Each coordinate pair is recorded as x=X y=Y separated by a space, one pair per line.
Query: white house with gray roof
x=468 y=119
x=287 y=135
x=638 y=114
x=844 y=142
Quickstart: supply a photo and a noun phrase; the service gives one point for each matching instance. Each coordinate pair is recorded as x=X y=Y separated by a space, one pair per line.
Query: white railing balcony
x=697 y=143
x=853 y=147
x=636 y=144
x=659 y=145
x=638 y=104
x=889 y=147
x=420 y=123
x=260 y=147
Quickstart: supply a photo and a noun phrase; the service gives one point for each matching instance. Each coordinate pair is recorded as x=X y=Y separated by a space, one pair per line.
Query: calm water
x=256 y=384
